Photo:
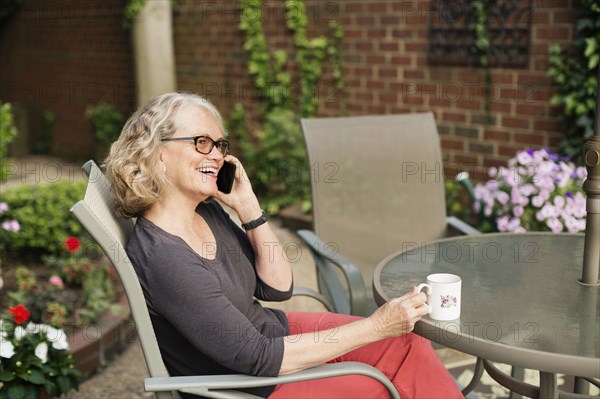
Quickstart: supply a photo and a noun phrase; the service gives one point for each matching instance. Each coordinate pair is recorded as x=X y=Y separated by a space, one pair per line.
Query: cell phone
x=225 y=177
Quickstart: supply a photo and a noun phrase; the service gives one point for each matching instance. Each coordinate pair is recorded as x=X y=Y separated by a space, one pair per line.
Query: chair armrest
x=305 y=291
x=461 y=226
x=356 y=284
x=213 y=386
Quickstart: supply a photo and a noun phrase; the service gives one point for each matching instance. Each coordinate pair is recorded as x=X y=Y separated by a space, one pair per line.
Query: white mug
x=443 y=295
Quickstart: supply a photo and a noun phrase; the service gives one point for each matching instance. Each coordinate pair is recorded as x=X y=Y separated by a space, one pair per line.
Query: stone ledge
x=95 y=344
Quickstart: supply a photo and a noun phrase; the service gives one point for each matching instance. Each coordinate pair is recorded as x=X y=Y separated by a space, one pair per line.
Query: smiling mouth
x=208 y=171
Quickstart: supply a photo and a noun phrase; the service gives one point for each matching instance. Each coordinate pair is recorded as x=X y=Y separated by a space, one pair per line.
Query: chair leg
x=581 y=386
x=518 y=373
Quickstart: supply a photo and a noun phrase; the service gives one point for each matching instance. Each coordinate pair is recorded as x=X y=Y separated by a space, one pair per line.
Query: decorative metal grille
x=452 y=38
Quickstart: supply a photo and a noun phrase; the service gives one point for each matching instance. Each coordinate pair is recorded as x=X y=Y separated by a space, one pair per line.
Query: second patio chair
x=377 y=187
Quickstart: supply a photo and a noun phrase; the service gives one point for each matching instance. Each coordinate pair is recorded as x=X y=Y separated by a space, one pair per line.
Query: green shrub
x=107 y=121
x=8 y=131
x=43 y=212
x=574 y=72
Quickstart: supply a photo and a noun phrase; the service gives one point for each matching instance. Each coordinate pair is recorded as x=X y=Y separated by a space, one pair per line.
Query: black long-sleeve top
x=204 y=312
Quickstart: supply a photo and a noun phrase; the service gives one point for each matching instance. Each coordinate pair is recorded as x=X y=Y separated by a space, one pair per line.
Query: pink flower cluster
x=538 y=191
x=9 y=225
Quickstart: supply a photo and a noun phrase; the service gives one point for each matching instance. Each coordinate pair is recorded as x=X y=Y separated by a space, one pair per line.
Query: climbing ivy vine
x=274 y=152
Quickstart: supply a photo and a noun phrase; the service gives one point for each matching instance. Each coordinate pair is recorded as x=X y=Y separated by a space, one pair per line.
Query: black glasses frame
x=222 y=145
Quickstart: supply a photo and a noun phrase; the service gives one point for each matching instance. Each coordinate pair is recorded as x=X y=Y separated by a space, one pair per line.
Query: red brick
x=364 y=46
x=414 y=74
x=390 y=20
x=401 y=60
x=531 y=110
x=388 y=72
x=388 y=99
x=563 y=16
x=393 y=46
x=534 y=78
x=439 y=102
x=527 y=138
x=546 y=125
x=552 y=33
x=454 y=117
x=501 y=77
x=402 y=33
x=375 y=59
x=376 y=33
x=515 y=122
x=378 y=7
x=415 y=47
x=496 y=135
x=466 y=159
x=509 y=150
x=540 y=17
x=365 y=21
x=452 y=143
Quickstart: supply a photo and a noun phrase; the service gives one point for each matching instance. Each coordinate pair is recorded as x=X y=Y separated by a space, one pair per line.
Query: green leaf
x=36 y=377
x=6 y=376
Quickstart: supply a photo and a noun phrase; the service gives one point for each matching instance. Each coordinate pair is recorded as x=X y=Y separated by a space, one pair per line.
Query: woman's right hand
x=398 y=316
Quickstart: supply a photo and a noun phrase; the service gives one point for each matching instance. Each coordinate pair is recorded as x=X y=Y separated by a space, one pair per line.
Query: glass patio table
x=522 y=303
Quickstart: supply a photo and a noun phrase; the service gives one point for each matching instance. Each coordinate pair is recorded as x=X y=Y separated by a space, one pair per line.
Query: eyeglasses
x=204 y=144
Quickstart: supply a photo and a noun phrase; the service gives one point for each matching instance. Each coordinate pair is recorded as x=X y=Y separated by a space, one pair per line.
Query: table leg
x=548 y=388
x=477 y=373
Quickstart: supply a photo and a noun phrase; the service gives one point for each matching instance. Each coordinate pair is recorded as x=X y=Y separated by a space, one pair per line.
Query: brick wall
x=64 y=60
x=62 y=56
x=386 y=68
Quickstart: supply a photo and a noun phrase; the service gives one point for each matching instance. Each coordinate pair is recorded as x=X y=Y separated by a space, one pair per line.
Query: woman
x=200 y=272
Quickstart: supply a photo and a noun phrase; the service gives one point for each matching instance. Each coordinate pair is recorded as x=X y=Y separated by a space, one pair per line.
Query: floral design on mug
x=447 y=301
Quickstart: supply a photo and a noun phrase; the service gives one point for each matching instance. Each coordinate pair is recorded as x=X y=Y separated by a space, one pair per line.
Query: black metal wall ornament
x=453 y=32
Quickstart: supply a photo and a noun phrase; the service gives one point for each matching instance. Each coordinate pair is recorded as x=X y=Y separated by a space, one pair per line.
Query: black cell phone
x=225 y=177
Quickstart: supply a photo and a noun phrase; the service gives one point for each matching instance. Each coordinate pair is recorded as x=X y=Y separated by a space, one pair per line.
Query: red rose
x=72 y=244
x=20 y=313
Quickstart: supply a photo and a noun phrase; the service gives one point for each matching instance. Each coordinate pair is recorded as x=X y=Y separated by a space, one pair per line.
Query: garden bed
x=91 y=342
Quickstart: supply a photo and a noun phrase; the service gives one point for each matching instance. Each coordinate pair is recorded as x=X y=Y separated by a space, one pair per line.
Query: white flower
x=56 y=336
x=41 y=351
x=20 y=332
x=7 y=350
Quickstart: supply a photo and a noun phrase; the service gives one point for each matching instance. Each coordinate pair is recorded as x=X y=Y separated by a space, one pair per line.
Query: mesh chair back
x=377 y=184
x=97 y=215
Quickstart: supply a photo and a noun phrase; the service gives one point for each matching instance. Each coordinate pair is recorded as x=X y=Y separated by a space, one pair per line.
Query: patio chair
x=96 y=214
x=377 y=186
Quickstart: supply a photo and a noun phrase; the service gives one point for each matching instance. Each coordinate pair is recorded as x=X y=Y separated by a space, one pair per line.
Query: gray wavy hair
x=132 y=163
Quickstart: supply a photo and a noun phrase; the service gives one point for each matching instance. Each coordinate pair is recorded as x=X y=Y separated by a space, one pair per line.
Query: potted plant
x=537 y=191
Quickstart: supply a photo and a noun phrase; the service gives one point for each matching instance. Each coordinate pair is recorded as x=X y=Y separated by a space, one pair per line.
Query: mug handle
x=419 y=288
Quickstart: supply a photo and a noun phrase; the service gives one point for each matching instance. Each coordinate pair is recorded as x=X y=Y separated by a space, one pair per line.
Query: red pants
x=408 y=361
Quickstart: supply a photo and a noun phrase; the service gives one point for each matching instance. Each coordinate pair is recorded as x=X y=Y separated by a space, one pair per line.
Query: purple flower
x=3 y=207
x=555 y=225
x=11 y=225
x=544 y=193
